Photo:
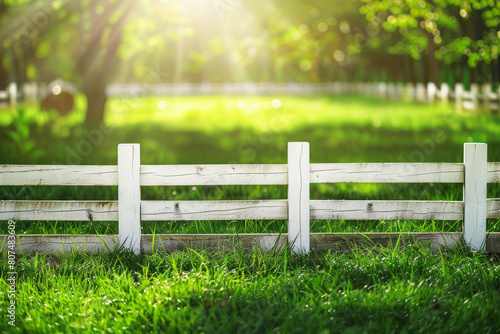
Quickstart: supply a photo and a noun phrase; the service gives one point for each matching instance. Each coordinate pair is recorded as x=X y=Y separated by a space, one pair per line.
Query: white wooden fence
x=129 y=175
x=9 y=96
x=477 y=97
x=32 y=92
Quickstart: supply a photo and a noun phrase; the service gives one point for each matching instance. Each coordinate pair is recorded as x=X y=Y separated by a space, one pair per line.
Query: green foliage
x=20 y=134
x=452 y=26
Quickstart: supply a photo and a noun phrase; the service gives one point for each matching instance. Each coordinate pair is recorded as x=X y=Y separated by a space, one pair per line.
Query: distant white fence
x=32 y=92
x=9 y=96
x=129 y=175
x=477 y=97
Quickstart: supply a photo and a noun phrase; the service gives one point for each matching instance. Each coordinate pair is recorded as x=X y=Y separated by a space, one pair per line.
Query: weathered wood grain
x=164 y=175
x=213 y=210
x=59 y=210
x=389 y=210
x=64 y=175
x=129 y=196
x=475 y=191
x=238 y=210
x=61 y=243
x=229 y=242
x=494 y=171
x=298 y=197
x=387 y=172
x=197 y=175
x=493 y=205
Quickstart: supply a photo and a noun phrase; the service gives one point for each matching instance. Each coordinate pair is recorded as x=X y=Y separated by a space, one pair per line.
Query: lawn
x=359 y=291
x=373 y=290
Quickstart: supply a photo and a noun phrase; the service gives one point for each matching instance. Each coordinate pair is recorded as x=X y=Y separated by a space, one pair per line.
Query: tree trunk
x=96 y=64
x=96 y=100
x=4 y=75
x=433 y=68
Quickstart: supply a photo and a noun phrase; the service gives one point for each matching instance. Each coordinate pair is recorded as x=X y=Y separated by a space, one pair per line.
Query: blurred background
x=232 y=81
x=91 y=44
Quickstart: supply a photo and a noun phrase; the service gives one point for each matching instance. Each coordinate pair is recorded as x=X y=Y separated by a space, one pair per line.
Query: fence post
x=485 y=94
x=474 y=92
x=298 y=197
x=475 y=184
x=129 y=197
x=459 y=91
x=410 y=91
x=12 y=89
x=420 y=92
x=431 y=92
x=444 y=93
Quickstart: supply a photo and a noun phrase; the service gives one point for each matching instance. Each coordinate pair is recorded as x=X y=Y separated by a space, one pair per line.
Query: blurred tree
x=440 y=32
x=100 y=35
x=4 y=75
x=93 y=42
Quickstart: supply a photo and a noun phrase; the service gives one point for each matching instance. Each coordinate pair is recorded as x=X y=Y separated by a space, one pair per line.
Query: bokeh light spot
x=303 y=29
x=305 y=65
x=339 y=55
x=322 y=27
x=162 y=105
x=56 y=90
x=241 y=104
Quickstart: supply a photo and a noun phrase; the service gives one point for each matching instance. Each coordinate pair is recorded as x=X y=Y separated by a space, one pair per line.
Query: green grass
x=377 y=290
x=360 y=290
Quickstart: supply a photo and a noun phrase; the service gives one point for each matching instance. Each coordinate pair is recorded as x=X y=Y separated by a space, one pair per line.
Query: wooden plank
x=64 y=175
x=229 y=242
x=129 y=196
x=386 y=210
x=342 y=241
x=475 y=188
x=493 y=172
x=59 y=210
x=237 y=210
x=60 y=243
x=298 y=197
x=213 y=210
x=387 y=172
x=197 y=175
x=493 y=208
x=12 y=89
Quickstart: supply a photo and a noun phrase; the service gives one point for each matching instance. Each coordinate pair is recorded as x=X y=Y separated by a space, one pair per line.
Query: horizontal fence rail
x=387 y=173
x=59 y=210
x=390 y=210
x=197 y=175
x=475 y=173
x=63 y=175
x=214 y=210
x=212 y=175
x=240 y=210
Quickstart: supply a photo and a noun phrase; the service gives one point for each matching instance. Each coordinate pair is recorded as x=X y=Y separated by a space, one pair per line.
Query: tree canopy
x=93 y=43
